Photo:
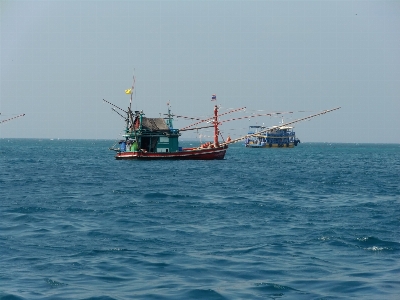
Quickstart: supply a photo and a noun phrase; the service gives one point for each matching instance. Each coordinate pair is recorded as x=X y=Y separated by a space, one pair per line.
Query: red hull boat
x=155 y=138
x=185 y=154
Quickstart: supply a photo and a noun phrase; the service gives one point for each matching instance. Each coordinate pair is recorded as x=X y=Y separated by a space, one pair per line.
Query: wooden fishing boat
x=156 y=138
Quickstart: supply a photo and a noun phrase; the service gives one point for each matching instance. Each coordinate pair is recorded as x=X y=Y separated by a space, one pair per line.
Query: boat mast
x=216 y=131
x=169 y=119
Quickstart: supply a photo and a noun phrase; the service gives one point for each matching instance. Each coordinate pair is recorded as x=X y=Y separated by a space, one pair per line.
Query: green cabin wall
x=170 y=143
x=174 y=144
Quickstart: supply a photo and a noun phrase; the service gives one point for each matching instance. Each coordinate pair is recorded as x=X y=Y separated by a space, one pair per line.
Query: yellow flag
x=128 y=91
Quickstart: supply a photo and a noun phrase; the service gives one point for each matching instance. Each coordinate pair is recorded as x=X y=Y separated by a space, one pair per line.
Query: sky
x=60 y=59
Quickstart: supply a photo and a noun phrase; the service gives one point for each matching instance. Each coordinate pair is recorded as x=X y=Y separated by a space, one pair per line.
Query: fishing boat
x=281 y=136
x=277 y=136
x=156 y=138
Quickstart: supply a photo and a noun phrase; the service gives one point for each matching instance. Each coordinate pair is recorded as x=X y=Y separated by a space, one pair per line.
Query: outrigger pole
x=210 y=119
x=115 y=106
x=195 y=128
x=279 y=127
x=252 y=116
x=118 y=113
x=216 y=130
x=234 y=119
x=12 y=118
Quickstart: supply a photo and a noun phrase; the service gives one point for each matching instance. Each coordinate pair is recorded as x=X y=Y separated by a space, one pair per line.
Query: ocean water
x=319 y=221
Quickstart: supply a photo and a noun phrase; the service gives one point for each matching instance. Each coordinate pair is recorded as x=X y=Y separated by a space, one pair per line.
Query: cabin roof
x=154 y=124
x=281 y=127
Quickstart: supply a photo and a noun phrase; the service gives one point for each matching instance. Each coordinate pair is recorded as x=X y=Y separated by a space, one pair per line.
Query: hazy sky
x=59 y=59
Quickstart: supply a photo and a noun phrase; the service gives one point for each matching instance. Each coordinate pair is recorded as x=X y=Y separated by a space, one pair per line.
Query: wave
x=159 y=195
x=375 y=244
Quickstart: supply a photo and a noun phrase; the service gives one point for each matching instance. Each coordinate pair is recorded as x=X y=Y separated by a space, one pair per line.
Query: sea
x=318 y=221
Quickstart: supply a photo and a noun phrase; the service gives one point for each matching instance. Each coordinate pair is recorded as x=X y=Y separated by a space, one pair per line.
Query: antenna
x=131 y=91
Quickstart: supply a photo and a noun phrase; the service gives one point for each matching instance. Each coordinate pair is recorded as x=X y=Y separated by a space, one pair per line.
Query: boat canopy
x=154 y=124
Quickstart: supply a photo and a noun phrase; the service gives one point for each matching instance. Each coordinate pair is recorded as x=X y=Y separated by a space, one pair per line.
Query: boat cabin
x=276 y=136
x=150 y=135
